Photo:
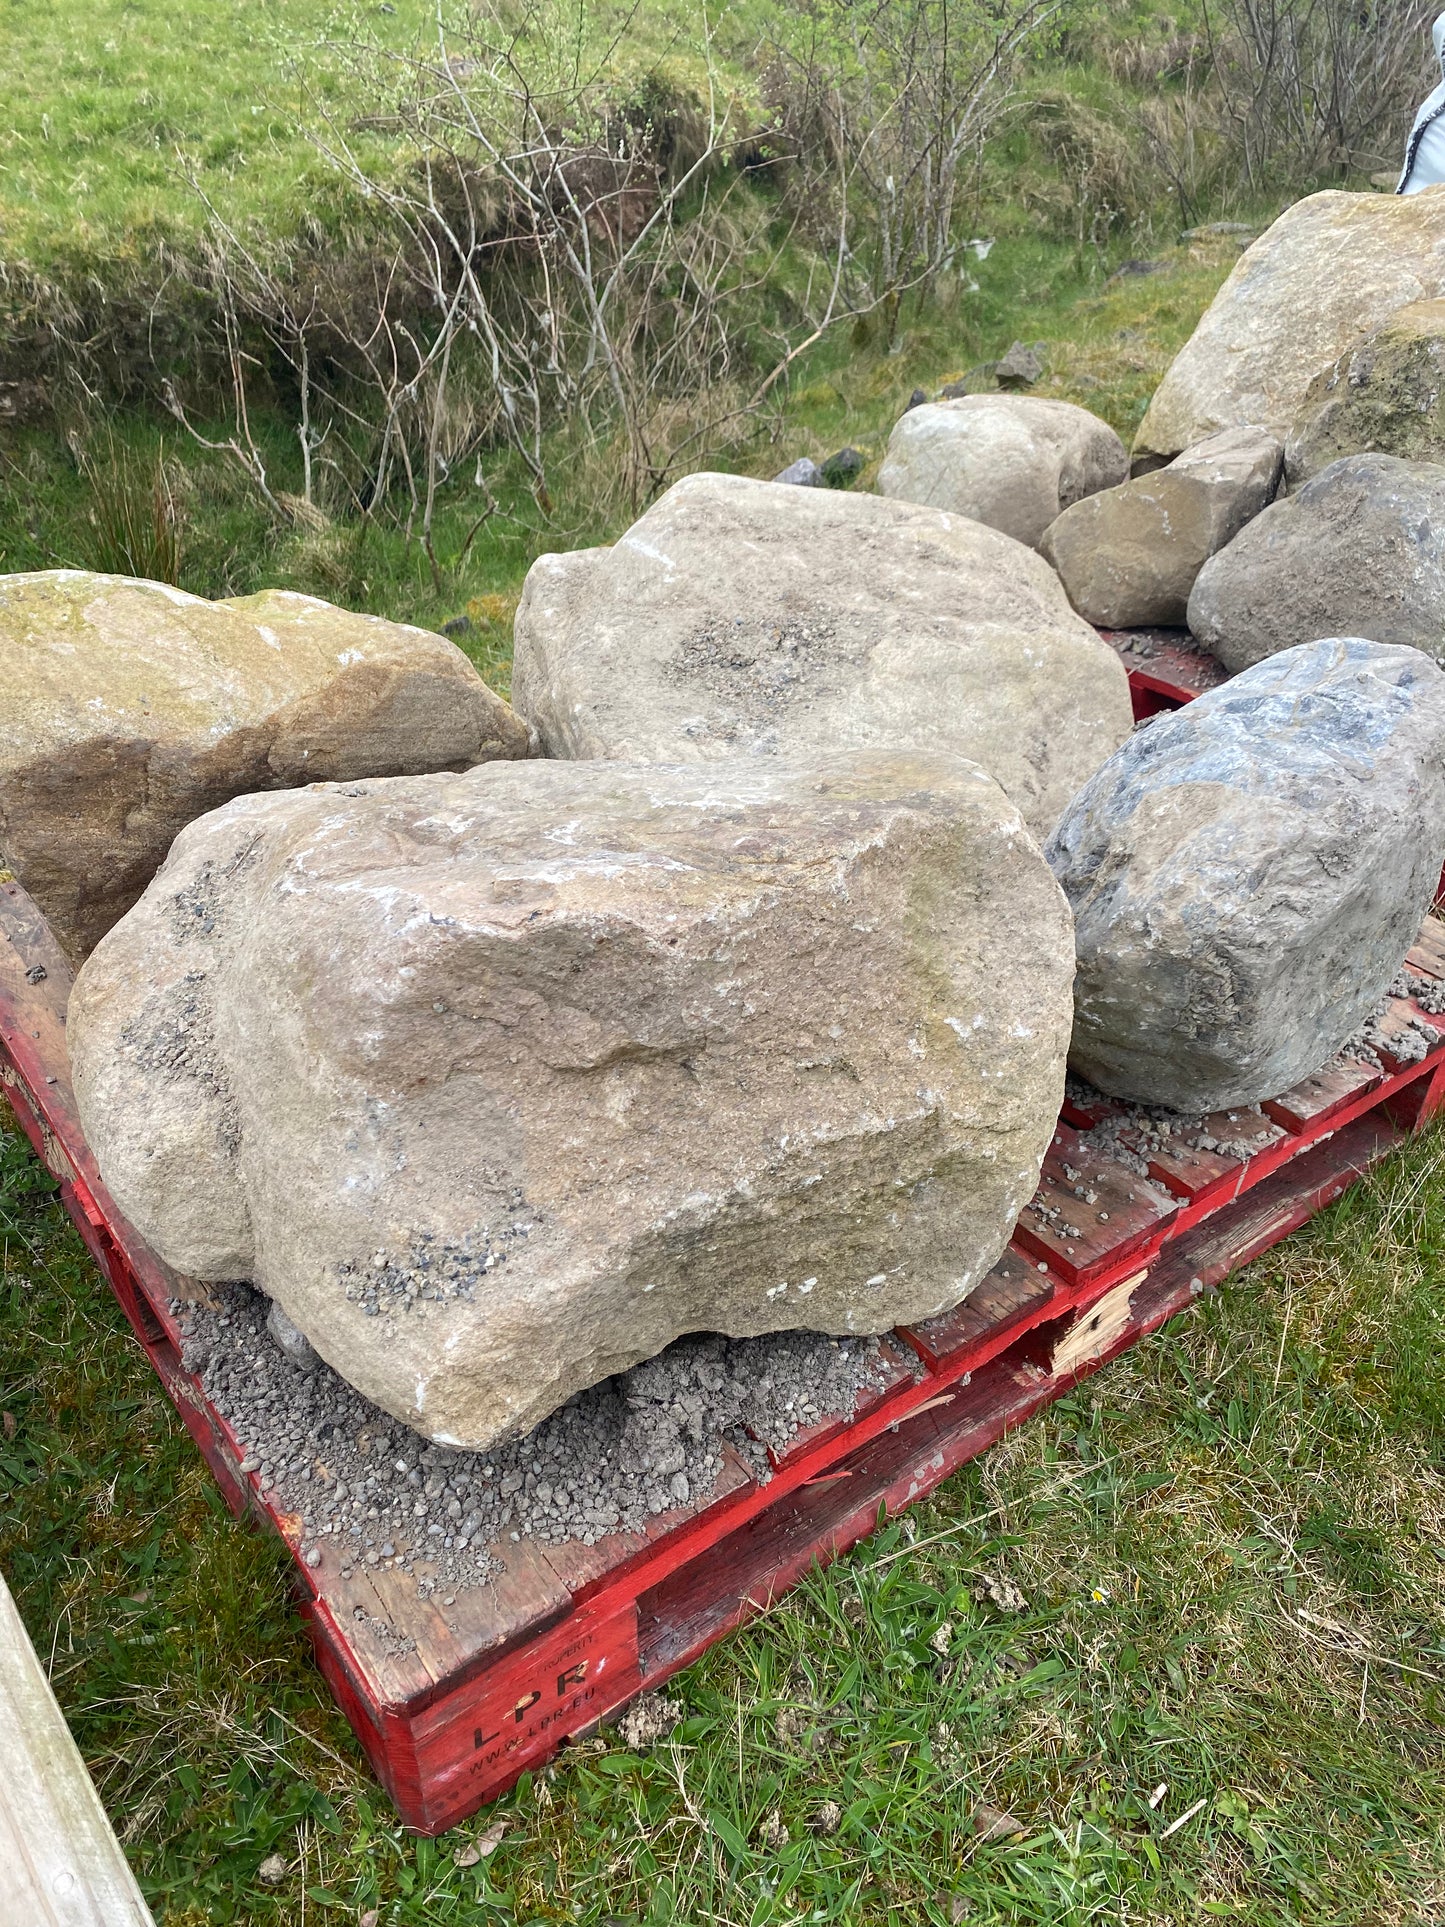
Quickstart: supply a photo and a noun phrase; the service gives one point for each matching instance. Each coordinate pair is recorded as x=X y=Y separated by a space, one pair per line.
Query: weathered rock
x=738 y=616
x=499 y=1082
x=128 y=708
x=804 y=473
x=1360 y=550
x=842 y=465
x=1021 y=366
x=1332 y=267
x=1384 y=396
x=1128 y=556
x=1012 y=461
x=1247 y=873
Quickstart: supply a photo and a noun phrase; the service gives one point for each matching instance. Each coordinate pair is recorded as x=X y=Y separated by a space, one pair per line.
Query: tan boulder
x=741 y=615
x=128 y=708
x=1332 y=268
x=1128 y=556
x=1384 y=396
x=1011 y=461
x=500 y=1082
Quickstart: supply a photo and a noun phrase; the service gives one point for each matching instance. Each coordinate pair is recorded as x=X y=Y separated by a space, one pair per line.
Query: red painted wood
x=1166 y=668
x=1089 y=1212
x=1314 y=1099
x=492 y=1684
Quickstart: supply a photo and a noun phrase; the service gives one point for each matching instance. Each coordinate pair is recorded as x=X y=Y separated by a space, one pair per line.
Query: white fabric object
x=1425 y=151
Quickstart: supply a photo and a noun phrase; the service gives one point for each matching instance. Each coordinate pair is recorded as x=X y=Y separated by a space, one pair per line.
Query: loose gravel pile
x=618 y=1454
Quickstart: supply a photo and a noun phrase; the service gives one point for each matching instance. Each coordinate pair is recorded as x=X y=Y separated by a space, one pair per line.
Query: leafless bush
x=883 y=108
x=547 y=255
x=1309 y=89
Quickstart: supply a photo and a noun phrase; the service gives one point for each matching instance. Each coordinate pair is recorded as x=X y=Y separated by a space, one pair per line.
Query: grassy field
x=1231 y=1548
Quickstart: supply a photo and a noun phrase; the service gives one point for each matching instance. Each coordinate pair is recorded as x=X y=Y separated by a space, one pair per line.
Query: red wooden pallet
x=493 y=1684
x=1167 y=667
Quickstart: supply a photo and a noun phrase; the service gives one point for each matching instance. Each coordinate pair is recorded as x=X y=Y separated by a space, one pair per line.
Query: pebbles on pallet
x=643 y=1443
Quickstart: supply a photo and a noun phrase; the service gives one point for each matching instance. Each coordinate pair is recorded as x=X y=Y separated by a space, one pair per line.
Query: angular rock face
x=1011 y=461
x=1360 y=550
x=500 y=1082
x=1128 y=556
x=128 y=708
x=1333 y=267
x=1248 y=872
x=740 y=616
x=1385 y=396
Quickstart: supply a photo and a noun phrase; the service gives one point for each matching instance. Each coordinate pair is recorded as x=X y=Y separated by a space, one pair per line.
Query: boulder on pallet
x=1384 y=396
x=128 y=708
x=1128 y=556
x=498 y=1083
x=1360 y=550
x=1013 y=462
x=1248 y=872
x=783 y=621
x=1331 y=268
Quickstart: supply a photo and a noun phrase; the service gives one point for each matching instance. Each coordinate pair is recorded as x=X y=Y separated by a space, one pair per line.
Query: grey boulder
x=1248 y=872
x=498 y=1083
x=1011 y=461
x=804 y=473
x=1128 y=556
x=783 y=621
x=1384 y=396
x=1359 y=550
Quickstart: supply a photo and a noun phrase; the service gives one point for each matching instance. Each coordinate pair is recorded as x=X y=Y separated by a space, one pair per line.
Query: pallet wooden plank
x=1089 y=1212
x=1311 y=1102
x=1013 y=1292
x=60 y=1863
x=1427 y=953
x=1397 y=1036
x=1183 y=1168
x=1166 y=664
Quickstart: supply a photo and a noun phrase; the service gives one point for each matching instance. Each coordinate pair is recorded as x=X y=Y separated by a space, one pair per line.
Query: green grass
x=107 y=99
x=1231 y=1545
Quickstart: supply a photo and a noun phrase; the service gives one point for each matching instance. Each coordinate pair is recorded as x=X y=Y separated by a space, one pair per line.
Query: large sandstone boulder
x=1333 y=267
x=1012 y=461
x=1360 y=550
x=127 y=708
x=736 y=615
x=1247 y=873
x=1385 y=396
x=500 y=1082
x=1128 y=556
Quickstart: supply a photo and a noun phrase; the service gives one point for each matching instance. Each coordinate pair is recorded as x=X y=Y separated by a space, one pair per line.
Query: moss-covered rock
x=1384 y=396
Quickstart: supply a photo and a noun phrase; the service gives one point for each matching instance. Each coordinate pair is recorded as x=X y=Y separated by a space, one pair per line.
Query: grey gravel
x=615 y=1456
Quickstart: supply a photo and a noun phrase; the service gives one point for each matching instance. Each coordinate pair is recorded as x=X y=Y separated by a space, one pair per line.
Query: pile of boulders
x=727 y=984
x=1319 y=369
